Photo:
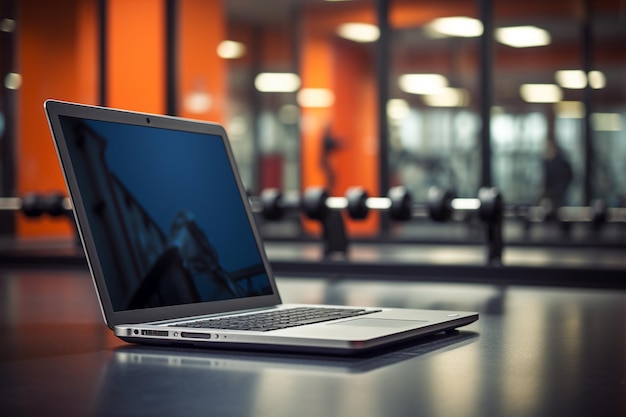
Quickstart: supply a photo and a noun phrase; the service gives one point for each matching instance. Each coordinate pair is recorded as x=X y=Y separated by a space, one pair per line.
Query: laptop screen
x=165 y=213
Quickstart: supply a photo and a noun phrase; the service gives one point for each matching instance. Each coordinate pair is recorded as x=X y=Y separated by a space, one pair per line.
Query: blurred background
x=372 y=93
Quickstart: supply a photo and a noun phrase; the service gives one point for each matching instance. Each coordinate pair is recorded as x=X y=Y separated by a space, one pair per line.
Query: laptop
x=172 y=246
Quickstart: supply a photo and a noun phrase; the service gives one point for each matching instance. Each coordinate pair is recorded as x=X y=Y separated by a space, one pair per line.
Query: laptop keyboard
x=279 y=319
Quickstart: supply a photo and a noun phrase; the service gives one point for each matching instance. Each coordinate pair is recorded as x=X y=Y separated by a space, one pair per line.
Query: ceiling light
x=7 y=25
x=198 y=102
x=597 y=80
x=523 y=36
x=231 y=50
x=607 y=122
x=447 y=97
x=316 y=97
x=541 y=93
x=422 y=83
x=277 y=82
x=575 y=79
x=13 y=81
x=397 y=109
x=359 y=32
x=466 y=27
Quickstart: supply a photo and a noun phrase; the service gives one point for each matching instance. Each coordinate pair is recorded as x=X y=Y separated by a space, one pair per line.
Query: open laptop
x=172 y=246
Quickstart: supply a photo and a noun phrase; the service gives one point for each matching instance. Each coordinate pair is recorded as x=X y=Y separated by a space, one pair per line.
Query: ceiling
x=412 y=49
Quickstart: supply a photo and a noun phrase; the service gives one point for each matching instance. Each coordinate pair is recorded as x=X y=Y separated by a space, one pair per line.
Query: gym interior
x=455 y=155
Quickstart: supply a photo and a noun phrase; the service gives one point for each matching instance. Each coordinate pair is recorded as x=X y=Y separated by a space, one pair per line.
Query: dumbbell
x=275 y=204
x=316 y=203
x=54 y=204
x=442 y=204
x=36 y=204
x=32 y=205
x=358 y=204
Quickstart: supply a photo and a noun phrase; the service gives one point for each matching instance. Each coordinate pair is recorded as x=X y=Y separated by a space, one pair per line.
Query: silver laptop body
x=170 y=240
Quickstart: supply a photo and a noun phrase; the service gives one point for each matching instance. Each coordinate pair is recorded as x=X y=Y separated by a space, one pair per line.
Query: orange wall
x=56 y=51
x=136 y=55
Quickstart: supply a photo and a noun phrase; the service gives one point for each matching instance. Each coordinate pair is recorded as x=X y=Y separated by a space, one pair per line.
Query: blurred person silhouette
x=558 y=175
x=329 y=145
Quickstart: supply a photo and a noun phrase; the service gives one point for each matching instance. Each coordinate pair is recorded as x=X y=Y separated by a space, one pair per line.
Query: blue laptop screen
x=165 y=213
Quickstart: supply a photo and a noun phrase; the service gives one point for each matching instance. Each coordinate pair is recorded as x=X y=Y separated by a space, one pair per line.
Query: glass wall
x=537 y=137
x=433 y=99
x=607 y=95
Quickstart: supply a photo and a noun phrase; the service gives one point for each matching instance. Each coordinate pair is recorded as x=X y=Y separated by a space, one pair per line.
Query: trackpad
x=385 y=323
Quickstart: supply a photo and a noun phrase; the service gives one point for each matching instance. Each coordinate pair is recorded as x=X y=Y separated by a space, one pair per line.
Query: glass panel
x=608 y=118
x=556 y=66
x=537 y=135
x=433 y=112
x=433 y=115
x=262 y=117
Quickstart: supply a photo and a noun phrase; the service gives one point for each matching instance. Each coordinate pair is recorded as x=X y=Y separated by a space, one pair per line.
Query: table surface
x=534 y=352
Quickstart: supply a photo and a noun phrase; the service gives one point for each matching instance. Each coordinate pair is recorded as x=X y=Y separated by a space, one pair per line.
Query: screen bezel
x=54 y=109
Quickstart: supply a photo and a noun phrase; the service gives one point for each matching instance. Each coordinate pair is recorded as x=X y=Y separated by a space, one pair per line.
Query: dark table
x=534 y=352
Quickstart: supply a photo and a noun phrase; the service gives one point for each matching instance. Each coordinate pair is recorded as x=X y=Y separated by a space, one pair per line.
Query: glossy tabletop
x=534 y=352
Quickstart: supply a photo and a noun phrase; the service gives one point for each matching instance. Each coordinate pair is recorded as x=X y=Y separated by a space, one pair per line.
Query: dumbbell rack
x=316 y=204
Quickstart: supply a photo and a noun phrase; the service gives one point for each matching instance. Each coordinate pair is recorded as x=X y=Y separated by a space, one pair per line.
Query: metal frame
x=171 y=57
x=8 y=106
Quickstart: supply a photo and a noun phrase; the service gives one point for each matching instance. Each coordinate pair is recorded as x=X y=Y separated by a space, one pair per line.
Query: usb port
x=154 y=333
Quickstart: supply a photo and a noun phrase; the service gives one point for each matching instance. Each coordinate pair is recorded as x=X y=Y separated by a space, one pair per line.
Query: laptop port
x=196 y=335
x=161 y=333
